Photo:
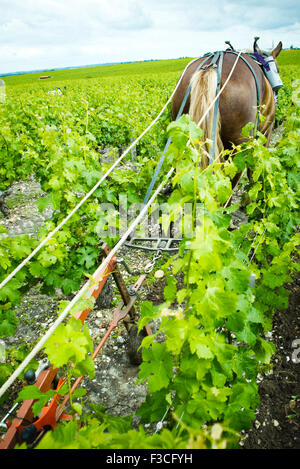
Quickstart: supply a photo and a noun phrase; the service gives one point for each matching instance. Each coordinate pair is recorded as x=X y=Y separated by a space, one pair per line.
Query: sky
x=45 y=34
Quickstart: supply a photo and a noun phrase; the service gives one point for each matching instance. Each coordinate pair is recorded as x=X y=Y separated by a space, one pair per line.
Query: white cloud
x=57 y=33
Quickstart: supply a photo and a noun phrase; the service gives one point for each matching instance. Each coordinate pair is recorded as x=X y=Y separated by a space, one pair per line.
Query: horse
x=247 y=90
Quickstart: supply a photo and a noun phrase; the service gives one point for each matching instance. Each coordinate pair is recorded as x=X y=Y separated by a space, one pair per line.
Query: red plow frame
x=24 y=427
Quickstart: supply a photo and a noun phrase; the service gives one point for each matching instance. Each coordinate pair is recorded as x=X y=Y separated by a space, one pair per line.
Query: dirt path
x=115 y=383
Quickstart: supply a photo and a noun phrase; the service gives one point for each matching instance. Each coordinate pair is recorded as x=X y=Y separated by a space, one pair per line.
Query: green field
x=110 y=71
x=286 y=58
x=202 y=379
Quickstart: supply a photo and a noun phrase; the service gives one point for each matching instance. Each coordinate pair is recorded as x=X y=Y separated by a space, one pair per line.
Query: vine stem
x=5 y=141
x=194 y=223
x=86 y=129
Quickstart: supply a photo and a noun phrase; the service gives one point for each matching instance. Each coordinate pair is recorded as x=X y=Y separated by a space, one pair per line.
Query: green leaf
x=264 y=350
x=247 y=129
x=253 y=193
x=37 y=270
x=32 y=392
x=200 y=345
x=176 y=330
x=77 y=407
x=247 y=335
x=181 y=294
x=8 y=324
x=68 y=344
x=157 y=367
x=43 y=203
x=148 y=313
x=170 y=290
x=237 y=278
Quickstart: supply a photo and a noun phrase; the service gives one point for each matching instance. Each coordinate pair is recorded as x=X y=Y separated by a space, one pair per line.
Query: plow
x=24 y=427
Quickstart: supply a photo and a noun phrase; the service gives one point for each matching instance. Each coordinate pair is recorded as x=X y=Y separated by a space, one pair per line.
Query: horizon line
x=54 y=69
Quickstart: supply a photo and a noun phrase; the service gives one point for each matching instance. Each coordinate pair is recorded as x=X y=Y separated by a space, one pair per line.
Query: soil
x=277 y=422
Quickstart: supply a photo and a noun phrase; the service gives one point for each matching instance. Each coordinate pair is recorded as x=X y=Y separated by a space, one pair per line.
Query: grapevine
x=202 y=377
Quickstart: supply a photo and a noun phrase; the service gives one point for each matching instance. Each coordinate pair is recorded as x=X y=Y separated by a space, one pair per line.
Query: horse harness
x=269 y=69
x=217 y=63
x=215 y=59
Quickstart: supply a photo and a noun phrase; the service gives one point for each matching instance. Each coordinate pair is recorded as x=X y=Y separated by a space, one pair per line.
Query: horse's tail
x=203 y=92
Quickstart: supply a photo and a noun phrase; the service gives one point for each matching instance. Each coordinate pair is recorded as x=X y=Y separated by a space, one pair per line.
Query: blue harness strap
x=216 y=106
x=162 y=158
x=188 y=91
x=219 y=73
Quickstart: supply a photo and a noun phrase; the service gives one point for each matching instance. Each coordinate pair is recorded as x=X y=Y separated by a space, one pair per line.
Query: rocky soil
x=277 y=423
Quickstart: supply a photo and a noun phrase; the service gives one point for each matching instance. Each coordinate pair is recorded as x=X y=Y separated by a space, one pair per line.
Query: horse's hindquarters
x=238 y=101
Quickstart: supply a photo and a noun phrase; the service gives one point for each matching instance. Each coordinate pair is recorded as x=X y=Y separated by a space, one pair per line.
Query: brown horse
x=237 y=103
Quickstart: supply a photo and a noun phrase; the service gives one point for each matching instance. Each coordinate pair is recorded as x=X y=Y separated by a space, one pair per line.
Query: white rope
x=52 y=233
x=81 y=292
x=105 y=262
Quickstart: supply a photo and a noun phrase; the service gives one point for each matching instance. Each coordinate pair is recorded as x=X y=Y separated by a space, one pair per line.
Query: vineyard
x=211 y=306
